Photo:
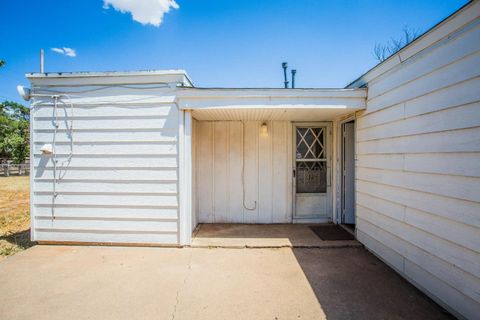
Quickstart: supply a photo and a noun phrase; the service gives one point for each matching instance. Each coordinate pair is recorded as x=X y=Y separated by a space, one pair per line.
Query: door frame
x=338 y=173
x=329 y=152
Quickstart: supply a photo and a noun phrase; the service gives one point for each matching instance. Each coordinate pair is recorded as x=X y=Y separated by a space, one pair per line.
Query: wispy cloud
x=65 y=51
x=143 y=11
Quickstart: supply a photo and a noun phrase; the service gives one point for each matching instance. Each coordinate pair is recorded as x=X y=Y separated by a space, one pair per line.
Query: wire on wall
x=243 y=170
x=54 y=153
x=57 y=174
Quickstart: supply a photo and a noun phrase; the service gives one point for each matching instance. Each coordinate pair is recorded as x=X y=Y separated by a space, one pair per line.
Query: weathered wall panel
x=418 y=172
x=121 y=182
x=220 y=146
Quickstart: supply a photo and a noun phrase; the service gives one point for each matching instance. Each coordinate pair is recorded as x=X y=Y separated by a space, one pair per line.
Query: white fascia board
x=194 y=98
x=239 y=93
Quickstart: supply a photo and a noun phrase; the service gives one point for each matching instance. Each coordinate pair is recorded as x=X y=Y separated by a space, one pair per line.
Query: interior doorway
x=348 y=175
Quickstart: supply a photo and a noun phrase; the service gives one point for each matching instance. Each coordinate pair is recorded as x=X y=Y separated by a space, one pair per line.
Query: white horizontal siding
x=108 y=123
x=92 y=225
x=116 y=187
x=157 y=200
x=139 y=174
x=121 y=183
x=466 y=164
x=102 y=111
x=121 y=135
x=113 y=212
x=219 y=192
x=418 y=169
x=120 y=161
x=111 y=148
x=106 y=236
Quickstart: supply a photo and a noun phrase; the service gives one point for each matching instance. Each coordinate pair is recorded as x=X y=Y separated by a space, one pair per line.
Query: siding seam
x=416 y=190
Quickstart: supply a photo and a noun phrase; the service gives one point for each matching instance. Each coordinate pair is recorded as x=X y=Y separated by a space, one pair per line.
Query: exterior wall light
x=264 y=129
x=46 y=149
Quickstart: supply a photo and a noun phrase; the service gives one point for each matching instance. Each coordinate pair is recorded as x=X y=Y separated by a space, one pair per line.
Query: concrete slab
x=73 y=282
x=220 y=235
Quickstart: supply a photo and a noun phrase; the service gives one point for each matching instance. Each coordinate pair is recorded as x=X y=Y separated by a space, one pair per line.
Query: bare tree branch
x=383 y=51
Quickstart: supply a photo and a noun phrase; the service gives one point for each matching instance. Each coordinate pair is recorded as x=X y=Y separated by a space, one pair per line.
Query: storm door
x=311 y=172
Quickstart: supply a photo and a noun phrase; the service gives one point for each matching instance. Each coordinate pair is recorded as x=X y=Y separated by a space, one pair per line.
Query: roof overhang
x=271 y=104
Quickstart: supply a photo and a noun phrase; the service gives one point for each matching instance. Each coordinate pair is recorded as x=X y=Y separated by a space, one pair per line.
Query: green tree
x=14 y=131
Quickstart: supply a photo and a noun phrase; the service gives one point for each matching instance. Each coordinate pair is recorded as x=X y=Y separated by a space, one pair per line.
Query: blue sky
x=220 y=43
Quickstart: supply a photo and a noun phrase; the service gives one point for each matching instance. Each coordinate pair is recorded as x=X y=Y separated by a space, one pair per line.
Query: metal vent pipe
x=285 y=66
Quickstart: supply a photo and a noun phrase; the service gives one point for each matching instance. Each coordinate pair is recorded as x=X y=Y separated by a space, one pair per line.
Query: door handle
x=294 y=173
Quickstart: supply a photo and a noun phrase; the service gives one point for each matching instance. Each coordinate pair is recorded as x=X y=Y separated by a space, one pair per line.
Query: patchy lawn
x=14 y=215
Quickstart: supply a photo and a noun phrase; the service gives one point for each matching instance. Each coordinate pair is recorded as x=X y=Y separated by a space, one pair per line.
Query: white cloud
x=65 y=51
x=143 y=11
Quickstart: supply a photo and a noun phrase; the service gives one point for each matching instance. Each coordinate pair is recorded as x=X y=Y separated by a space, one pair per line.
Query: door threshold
x=312 y=220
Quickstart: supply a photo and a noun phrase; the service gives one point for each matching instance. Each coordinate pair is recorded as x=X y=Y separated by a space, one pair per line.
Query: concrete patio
x=80 y=282
x=220 y=235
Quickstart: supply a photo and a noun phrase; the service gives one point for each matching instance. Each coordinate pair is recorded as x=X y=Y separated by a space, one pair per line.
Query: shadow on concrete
x=348 y=281
x=351 y=283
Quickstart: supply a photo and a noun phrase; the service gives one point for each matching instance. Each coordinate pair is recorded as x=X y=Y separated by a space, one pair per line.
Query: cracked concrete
x=177 y=300
x=74 y=282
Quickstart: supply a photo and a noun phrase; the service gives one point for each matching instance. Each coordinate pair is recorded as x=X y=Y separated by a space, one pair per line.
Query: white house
x=143 y=157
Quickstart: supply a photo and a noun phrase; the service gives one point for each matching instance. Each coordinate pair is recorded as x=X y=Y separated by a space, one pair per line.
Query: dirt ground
x=14 y=215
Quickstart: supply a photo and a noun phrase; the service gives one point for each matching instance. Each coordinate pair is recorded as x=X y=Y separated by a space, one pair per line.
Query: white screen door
x=312 y=171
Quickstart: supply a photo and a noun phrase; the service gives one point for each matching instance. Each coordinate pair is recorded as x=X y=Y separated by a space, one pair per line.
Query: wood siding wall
x=218 y=169
x=418 y=169
x=121 y=184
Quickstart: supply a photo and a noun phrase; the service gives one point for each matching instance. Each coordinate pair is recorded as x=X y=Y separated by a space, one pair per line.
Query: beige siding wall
x=418 y=169
x=121 y=184
x=219 y=146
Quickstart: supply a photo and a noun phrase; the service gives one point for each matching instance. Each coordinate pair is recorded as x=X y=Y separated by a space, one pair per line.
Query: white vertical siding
x=418 y=172
x=121 y=184
x=219 y=192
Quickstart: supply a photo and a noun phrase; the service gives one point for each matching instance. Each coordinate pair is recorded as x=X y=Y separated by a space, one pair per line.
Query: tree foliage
x=14 y=131
x=2 y=63
x=383 y=51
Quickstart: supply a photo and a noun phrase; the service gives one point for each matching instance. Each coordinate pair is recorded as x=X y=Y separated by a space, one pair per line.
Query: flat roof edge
x=107 y=74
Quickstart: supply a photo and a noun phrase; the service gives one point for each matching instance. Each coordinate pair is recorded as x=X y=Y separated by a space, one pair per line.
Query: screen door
x=312 y=170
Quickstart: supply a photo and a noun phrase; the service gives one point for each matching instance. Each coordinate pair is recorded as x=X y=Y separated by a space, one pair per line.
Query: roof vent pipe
x=293 y=78
x=42 y=55
x=285 y=66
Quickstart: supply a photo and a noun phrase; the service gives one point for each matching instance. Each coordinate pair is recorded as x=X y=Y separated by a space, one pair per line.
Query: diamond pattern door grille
x=311 y=161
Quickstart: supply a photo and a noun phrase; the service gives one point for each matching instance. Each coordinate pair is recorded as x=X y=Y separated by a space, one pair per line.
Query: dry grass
x=14 y=215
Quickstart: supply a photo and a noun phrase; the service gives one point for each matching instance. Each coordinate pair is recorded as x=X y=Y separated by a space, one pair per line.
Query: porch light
x=264 y=129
